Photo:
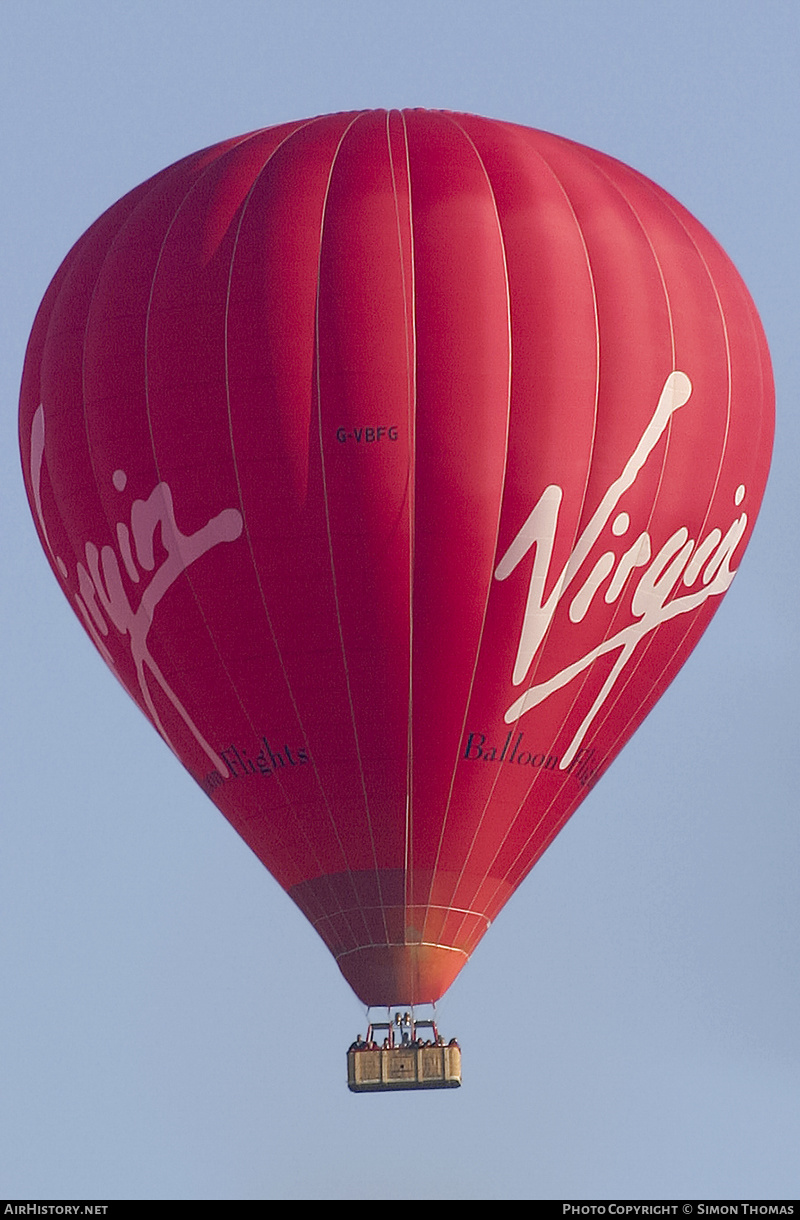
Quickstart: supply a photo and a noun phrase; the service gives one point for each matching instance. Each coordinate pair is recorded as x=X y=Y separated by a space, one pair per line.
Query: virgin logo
x=654 y=600
x=102 y=591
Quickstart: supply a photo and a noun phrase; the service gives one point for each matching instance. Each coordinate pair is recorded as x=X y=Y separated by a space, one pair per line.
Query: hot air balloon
x=395 y=462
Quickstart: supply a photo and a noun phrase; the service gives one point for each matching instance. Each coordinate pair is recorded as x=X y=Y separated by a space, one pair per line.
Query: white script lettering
x=679 y=557
x=100 y=579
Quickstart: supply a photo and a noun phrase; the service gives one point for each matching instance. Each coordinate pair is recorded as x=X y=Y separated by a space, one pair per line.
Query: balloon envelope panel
x=395 y=462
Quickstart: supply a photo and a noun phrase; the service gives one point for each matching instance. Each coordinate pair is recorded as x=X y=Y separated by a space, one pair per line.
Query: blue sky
x=171 y=1026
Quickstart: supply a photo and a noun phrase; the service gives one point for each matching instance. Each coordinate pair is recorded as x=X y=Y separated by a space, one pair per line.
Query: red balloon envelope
x=395 y=462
